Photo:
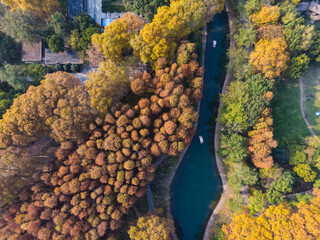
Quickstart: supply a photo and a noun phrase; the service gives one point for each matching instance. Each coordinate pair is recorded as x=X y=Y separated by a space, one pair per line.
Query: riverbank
x=181 y=155
x=226 y=192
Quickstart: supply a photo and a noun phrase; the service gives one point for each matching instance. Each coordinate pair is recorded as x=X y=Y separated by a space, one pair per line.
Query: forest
x=76 y=157
x=102 y=137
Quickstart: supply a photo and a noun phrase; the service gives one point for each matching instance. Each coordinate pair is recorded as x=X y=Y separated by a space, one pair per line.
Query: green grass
x=289 y=126
x=311 y=80
x=161 y=181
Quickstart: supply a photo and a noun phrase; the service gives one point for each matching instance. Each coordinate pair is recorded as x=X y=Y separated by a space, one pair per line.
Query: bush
x=58 y=67
x=66 y=67
x=74 y=68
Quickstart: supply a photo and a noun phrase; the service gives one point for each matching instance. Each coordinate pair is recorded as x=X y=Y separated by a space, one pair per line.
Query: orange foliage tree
x=261 y=141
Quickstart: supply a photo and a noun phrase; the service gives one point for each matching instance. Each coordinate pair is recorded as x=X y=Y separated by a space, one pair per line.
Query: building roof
x=31 y=52
x=314 y=7
x=303 y=7
x=107 y=21
x=63 y=58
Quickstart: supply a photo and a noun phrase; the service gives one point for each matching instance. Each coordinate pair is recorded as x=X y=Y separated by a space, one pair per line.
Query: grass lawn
x=289 y=125
x=311 y=80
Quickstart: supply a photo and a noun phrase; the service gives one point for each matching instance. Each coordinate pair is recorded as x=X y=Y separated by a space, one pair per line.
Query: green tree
x=59 y=24
x=83 y=21
x=257 y=202
x=86 y=35
x=15 y=76
x=233 y=147
x=23 y=26
x=74 y=40
x=297 y=66
x=56 y=44
x=280 y=186
x=9 y=50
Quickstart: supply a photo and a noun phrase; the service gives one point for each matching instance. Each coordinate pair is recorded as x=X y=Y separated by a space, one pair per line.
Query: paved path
x=83 y=74
x=301 y=107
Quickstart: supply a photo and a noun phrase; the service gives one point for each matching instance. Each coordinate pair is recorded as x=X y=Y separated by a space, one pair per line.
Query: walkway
x=301 y=107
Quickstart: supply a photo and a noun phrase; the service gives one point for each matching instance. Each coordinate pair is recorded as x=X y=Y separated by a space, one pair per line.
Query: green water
x=197 y=182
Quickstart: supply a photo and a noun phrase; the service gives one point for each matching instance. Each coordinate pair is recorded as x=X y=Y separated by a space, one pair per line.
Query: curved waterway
x=197 y=182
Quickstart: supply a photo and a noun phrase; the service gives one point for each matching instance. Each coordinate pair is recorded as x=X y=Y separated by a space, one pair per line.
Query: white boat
x=214 y=43
x=201 y=139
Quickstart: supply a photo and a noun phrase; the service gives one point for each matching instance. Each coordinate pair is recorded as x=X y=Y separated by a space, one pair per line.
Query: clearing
x=311 y=80
x=289 y=125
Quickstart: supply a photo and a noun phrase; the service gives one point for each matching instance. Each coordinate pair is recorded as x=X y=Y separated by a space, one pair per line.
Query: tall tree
x=270 y=57
x=59 y=24
x=107 y=85
x=278 y=222
x=58 y=106
x=23 y=26
x=43 y=8
x=115 y=39
x=151 y=227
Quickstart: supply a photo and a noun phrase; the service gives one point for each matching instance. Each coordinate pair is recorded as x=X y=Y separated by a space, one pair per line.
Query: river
x=197 y=183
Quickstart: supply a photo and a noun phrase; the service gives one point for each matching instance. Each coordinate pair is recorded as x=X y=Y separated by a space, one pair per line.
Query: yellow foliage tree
x=58 y=106
x=278 y=222
x=270 y=57
x=107 y=85
x=267 y=15
x=171 y=23
x=42 y=8
x=115 y=39
x=151 y=227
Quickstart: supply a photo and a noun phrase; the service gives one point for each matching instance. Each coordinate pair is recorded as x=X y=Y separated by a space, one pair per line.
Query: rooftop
x=314 y=7
x=32 y=52
x=303 y=7
x=63 y=58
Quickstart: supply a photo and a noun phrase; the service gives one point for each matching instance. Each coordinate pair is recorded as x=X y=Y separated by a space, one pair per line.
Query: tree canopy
x=23 y=26
x=43 y=8
x=278 y=222
x=151 y=227
x=58 y=106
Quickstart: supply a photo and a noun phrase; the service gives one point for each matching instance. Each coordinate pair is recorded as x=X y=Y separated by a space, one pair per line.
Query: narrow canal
x=197 y=183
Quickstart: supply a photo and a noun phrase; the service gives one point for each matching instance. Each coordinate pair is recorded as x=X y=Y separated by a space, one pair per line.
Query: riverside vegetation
x=107 y=132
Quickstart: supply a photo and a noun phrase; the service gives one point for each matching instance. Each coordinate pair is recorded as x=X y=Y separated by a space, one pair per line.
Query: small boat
x=214 y=43
x=201 y=139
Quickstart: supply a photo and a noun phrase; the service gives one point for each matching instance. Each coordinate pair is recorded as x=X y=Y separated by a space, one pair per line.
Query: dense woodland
x=273 y=42
x=106 y=132
x=76 y=157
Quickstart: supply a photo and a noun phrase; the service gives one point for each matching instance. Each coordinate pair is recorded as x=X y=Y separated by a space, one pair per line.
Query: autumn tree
x=43 y=8
x=58 y=106
x=270 y=57
x=151 y=227
x=279 y=222
x=261 y=141
x=107 y=85
x=114 y=41
x=267 y=15
x=170 y=24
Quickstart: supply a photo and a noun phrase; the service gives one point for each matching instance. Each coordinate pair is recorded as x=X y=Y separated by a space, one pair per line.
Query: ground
x=288 y=120
x=311 y=80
